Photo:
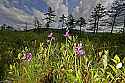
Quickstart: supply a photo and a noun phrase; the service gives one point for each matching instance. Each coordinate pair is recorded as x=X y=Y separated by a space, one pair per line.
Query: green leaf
x=79 y=76
x=105 y=61
x=11 y=67
x=116 y=59
x=19 y=56
x=110 y=75
x=113 y=68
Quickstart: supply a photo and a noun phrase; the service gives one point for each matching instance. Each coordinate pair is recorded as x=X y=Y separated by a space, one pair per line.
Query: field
x=56 y=57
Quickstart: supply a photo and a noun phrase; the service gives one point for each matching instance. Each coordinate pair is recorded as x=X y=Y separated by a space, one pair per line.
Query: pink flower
x=80 y=52
x=50 y=35
x=27 y=56
x=66 y=34
x=78 y=49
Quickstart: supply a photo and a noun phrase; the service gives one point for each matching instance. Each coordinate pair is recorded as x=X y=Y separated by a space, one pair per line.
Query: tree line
x=100 y=18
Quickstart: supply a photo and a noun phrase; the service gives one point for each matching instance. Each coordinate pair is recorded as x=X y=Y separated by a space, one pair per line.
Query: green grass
x=56 y=62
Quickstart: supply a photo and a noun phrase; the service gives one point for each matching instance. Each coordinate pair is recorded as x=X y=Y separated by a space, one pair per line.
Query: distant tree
x=105 y=23
x=81 y=22
x=26 y=26
x=3 y=27
x=37 y=23
x=49 y=17
x=98 y=13
x=10 y=28
x=124 y=25
x=71 y=22
x=63 y=20
x=117 y=7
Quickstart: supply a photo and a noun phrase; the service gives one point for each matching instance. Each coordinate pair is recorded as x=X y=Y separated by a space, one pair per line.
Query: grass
x=57 y=61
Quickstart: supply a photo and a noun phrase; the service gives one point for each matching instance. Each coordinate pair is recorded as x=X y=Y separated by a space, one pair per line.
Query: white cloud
x=86 y=6
x=58 y=6
x=16 y=14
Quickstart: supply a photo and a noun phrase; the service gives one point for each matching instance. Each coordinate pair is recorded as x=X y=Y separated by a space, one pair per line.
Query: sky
x=18 y=12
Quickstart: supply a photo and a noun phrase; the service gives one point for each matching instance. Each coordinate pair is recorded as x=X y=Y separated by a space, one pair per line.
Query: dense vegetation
x=53 y=58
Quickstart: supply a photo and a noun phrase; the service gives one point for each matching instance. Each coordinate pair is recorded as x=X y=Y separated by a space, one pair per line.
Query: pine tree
x=63 y=20
x=98 y=13
x=26 y=26
x=81 y=22
x=116 y=8
x=37 y=23
x=49 y=17
x=71 y=22
x=3 y=27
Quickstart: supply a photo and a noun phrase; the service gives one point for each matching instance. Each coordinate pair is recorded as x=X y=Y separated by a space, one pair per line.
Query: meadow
x=55 y=56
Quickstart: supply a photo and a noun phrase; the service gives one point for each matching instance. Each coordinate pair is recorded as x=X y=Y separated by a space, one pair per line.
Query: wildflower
x=78 y=49
x=119 y=65
x=66 y=34
x=50 y=35
x=27 y=56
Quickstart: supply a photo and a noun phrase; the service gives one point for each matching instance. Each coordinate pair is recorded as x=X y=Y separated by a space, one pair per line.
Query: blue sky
x=38 y=4
x=41 y=4
x=72 y=4
x=23 y=10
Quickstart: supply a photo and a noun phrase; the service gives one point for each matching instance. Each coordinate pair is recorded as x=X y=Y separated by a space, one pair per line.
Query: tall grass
x=56 y=62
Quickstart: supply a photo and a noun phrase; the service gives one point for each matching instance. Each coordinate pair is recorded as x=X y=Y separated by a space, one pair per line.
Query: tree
x=3 y=27
x=63 y=20
x=117 y=7
x=37 y=23
x=71 y=22
x=98 y=13
x=124 y=25
x=26 y=26
x=49 y=17
x=81 y=22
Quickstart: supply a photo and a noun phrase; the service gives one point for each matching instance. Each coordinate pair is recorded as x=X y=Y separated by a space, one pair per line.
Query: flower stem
x=75 y=65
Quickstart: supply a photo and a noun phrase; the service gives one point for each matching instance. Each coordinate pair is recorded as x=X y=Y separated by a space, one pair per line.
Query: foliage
x=73 y=60
x=116 y=10
x=70 y=23
x=37 y=23
x=49 y=17
x=98 y=13
x=81 y=22
x=63 y=20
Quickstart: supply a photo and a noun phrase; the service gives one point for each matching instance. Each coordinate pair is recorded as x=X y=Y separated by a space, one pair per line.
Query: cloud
x=86 y=6
x=59 y=6
x=15 y=14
